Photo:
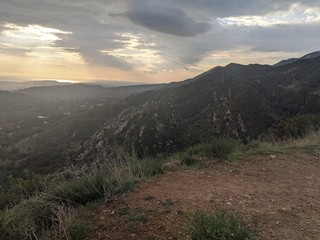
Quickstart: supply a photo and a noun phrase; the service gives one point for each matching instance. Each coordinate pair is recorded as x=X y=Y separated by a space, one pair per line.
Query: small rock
x=273 y=156
x=102 y=218
x=277 y=222
x=133 y=235
x=113 y=212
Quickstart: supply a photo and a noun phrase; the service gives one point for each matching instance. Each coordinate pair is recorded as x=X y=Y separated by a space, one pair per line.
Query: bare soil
x=280 y=197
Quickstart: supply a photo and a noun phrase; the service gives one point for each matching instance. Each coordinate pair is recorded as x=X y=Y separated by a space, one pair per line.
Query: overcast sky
x=149 y=40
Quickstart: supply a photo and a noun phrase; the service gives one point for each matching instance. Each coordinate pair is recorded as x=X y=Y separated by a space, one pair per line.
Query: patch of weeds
x=167 y=203
x=126 y=187
x=78 y=230
x=188 y=160
x=220 y=225
x=123 y=211
x=148 y=198
x=256 y=148
x=138 y=217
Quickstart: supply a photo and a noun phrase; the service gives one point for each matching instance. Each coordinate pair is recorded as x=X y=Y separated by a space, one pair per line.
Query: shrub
x=219 y=148
x=82 y=190
x=17 y=189
x=32 y=218
x=220 y=225
x=296 y=127
x=78 y=230
x=49 y=211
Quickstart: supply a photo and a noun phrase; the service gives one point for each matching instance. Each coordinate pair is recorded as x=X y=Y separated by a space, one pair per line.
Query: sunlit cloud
x=29 y=36
x=297 y=14
x=35 y=41
x=137 y=51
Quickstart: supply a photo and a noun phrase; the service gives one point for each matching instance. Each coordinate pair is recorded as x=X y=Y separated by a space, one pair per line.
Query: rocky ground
x=279 y=195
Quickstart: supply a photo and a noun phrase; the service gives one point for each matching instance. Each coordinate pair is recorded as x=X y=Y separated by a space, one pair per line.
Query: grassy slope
x=50 y=210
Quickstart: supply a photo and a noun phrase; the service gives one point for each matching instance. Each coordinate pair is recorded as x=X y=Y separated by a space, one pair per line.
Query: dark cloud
x=228 y=8
x=164 y=19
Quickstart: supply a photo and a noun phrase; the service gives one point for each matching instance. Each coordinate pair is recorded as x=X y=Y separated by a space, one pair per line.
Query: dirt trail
x=280 y=196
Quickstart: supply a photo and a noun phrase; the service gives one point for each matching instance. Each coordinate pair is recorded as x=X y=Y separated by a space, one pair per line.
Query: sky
x=149 y=41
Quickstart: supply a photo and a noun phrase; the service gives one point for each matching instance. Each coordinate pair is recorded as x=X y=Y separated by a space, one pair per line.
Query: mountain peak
x=292 y=60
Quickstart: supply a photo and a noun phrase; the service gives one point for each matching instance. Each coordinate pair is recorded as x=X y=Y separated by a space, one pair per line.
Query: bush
x=219 y=148
x=49 y=211
x=80 y=191
x=32 y=219
x=296 y=127
x=78 y=230
x=17 y=189
x=221 y=225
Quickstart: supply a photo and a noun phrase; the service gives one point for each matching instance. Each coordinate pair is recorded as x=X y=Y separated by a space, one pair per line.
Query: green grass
x=220 y=225
x=138 y=217
x=123 y=211
x=219 y=149
x=78 y=230
x=47 y=210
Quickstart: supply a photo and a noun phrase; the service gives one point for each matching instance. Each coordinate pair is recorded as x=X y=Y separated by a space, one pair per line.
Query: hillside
x=14 y=86
x=43 y=127
x=257 y=191
x=239 y=101
x=40 y=126
x=86 y=91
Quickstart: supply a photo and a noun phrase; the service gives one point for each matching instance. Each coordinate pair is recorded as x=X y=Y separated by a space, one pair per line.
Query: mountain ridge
x=240 y=101
x=292 y=60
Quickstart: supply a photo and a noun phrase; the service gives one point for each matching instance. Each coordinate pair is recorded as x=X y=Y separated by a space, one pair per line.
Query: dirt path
x=280 y=196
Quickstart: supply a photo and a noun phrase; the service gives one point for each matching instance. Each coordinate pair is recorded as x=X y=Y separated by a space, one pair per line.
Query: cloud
x=229 y=8
x=289 y=37
x=151 y=35
x=158 y=17
x=106 y=60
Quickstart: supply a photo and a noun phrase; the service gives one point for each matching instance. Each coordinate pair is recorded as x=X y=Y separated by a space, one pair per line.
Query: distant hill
x=39 y=125
x=13 y=86
x=86 y=91
x=238 y=101
x=292 y=60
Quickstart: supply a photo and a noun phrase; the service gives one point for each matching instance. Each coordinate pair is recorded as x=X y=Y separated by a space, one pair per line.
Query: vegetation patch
x=138 y=217
x=220 y=225
x=36 y=207
x=78 y=230
x=296 y=127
